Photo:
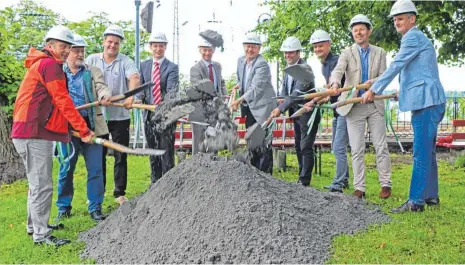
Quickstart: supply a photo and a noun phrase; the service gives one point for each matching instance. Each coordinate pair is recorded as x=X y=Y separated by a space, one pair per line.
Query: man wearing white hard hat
x=256 y=91
x=422 y=93
x=363 y=63
x=291 y=48
x=165 y=75
x=321 y=42
x=85 y=84
x=205 y=68
x=42 y=114
x=121 y=75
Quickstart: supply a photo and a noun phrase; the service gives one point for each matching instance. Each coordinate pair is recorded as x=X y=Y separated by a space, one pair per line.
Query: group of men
x=59 y=79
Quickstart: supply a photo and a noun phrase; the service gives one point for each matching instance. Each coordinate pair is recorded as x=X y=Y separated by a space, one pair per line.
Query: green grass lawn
x=435 y=236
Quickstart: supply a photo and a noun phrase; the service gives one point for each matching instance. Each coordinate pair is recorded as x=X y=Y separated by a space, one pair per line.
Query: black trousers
x=297 y=136
x=306 y=145
x=119 y=131
x=159 y=165
x=261 y=158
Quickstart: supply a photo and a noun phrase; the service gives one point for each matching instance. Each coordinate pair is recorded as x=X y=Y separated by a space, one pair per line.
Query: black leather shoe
x=61 y=215
x=408 y=206
x=335 y=190
x=300 y=182
x=53 y=241
x=432 y=201
x=345 y=185
x=51 y=226
x=97 y=215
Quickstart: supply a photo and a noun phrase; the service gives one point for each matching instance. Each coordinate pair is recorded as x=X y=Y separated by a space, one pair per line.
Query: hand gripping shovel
x=307 y=97
x=124 y=149
x=117 y=97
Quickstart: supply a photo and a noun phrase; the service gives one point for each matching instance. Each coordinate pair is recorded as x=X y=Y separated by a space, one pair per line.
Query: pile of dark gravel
x=208 y=210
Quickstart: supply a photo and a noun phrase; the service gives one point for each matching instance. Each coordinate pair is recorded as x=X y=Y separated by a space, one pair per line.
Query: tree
x=440 y=20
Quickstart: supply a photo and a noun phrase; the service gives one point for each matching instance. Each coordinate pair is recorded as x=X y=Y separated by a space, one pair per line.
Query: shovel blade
x=255 y=136
x=178 y=112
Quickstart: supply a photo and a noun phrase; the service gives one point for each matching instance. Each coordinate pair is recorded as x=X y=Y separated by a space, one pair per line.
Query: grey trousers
x=359 y=116
x=37 y=158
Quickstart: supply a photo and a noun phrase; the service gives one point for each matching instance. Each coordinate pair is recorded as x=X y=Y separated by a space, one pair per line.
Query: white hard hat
x=252 y=38
x=79 y=41
x=360 y=19
x=114 y=30
x=60 y=33
x=204 y=43
x=402 y=7
x=158 y=37
x=319 y=36
x=291 y=44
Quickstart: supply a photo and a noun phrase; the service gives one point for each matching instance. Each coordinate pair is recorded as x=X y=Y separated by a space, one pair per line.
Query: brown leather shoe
x=385 y=192
x=359 y=194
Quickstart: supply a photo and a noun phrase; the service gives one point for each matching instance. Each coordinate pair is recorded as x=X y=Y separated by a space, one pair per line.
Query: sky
x=232 y=18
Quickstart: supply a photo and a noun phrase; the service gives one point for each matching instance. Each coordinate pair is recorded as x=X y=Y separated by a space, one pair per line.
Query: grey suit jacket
x=258 y=90
x=199 y=72
x=169 y=79
x=350 y=65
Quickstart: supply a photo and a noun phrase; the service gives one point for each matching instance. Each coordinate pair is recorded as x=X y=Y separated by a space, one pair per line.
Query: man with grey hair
x=256 y=90
x=43 y=112
x=121 y=75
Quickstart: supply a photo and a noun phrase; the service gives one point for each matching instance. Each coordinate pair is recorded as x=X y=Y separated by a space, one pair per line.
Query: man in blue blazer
x=421 y=93
x=165 y=75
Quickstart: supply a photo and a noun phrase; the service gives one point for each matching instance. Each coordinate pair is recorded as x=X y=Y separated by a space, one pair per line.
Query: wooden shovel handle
x=358 y=100
x=340 y=90
x=137 y=106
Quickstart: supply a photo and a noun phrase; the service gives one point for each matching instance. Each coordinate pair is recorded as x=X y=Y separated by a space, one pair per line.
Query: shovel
x=124 y=149
x=255 y=136
x=358 y=100
x=137 y=106
x=323 y=93
x=117 y=97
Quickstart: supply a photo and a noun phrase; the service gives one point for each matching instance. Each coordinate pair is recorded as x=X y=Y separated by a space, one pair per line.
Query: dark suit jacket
x=169 y=79
x=296 y=90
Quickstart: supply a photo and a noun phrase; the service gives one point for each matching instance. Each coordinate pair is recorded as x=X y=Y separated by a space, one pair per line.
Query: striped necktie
x=156 y=81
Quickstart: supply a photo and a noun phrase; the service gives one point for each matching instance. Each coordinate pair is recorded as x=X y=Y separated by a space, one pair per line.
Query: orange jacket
x=43 y=106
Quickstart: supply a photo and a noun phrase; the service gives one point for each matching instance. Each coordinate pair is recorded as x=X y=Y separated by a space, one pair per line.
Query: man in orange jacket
x=42 y=114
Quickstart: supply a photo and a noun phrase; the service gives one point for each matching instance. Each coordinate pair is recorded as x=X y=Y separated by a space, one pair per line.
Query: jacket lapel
x=371 y=62
x=218 y=75
x=356 y=55
x=203 y=70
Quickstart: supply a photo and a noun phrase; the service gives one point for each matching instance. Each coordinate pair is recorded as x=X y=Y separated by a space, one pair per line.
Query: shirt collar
x=68 y=70
x=361 y=50
x=297 y=62
x=119 y=57
x=206 y=63
x=160 y=61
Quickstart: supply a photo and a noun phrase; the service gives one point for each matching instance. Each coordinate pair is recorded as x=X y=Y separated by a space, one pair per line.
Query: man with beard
x=85 y=85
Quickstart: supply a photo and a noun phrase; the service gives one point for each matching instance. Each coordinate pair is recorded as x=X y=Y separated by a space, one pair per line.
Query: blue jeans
x=340 y=142
x=93 y=156
x=424 y=182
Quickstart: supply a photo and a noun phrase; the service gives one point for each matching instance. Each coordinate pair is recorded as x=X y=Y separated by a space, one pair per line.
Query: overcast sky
x=233 y=19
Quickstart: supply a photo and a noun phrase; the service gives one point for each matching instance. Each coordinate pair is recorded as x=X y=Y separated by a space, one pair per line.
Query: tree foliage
x=24 y=26
x=442 y=21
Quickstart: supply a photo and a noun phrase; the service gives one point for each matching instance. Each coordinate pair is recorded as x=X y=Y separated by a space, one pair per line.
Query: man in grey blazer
x=205 y=68
x=364 y=63
x=165 y=75
x=256 y=90
x=422 y=93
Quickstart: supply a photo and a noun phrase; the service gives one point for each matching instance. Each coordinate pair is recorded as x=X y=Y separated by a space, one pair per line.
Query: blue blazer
x=416 y=62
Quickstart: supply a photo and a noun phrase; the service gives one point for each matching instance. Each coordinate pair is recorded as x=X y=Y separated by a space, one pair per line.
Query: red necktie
x=156 y=81
x=210 y=71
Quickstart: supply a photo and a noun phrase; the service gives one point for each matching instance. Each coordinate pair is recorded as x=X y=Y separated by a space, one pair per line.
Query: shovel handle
x=340 y=90
x=137 y=106
x=358 y=100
